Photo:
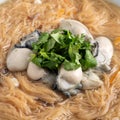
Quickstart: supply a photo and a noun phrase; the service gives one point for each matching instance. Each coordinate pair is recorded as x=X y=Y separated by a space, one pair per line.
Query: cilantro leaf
x=70 y=65
x=89 y=61
x=62 y=47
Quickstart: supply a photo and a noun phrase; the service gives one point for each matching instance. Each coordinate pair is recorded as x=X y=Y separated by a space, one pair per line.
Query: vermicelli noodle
x=36 y=101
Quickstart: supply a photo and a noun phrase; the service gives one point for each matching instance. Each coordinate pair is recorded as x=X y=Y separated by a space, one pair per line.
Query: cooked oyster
x=76 y=27
x=69 y=81
x=26 y=42
x=91 y=80
x=18 y=59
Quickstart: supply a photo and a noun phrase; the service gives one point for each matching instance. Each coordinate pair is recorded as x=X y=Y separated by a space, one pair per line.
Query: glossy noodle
x=36 y=101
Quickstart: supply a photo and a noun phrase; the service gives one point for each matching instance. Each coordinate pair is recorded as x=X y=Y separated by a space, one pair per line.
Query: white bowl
x=2 y=1
x=116 y=2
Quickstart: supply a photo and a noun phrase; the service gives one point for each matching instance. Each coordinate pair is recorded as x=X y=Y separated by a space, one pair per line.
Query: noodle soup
x=22 y=99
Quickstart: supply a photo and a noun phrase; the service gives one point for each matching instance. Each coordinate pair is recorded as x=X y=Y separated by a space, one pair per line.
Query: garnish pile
x=61 y=47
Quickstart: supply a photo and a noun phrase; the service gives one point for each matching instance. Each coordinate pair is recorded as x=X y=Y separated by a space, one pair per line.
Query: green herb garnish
x=62 y=47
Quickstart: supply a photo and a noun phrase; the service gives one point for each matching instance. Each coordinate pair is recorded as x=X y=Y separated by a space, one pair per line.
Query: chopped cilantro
x=62 y=47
